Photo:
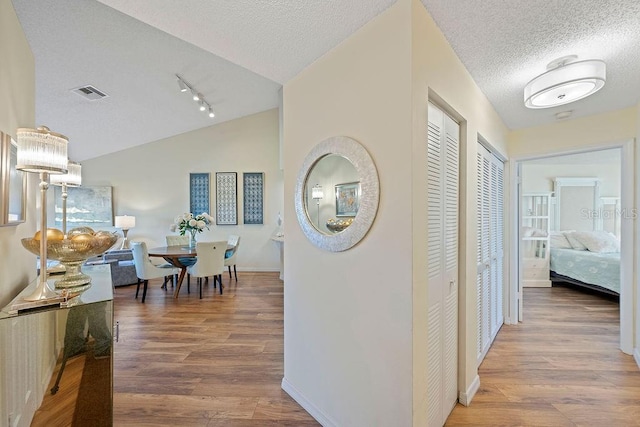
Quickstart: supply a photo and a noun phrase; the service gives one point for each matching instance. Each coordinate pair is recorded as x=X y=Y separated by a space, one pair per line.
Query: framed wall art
x=199 y=193
x=87 y=206
x=253 y=197
x=13 y=187
x=226 y=198
x=347 y=199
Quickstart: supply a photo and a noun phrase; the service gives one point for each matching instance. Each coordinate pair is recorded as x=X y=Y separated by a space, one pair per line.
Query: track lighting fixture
x=181 y=85
x=197 y=96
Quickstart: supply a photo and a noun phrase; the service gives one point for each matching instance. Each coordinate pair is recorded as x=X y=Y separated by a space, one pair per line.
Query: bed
x=596 y=271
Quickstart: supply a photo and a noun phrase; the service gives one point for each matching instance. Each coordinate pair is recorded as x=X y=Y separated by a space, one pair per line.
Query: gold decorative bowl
x=72 y=252
x=339 y=225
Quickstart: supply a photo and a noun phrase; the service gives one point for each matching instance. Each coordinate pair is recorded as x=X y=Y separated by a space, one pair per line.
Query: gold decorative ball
x=52 y=234
x=80 y=230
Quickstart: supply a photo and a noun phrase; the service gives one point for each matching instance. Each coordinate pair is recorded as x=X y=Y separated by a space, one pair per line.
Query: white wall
x=348 y=332
x=17 y=109
x=355 y=342
x=539 y=177
x=151 y=182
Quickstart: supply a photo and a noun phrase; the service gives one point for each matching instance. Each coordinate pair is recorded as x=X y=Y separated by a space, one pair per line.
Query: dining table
x=180 y=256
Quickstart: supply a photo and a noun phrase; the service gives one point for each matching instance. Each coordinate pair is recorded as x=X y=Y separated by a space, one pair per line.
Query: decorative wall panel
x=226 y=198
x=199 y=193
x=253 y=193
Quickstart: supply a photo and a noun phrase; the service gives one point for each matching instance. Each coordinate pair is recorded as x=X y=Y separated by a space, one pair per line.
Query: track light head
x=202 y=107
x=181 y=85
x=211 y=113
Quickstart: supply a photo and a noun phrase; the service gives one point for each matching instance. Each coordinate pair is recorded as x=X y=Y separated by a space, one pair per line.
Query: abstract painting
x=86 y=206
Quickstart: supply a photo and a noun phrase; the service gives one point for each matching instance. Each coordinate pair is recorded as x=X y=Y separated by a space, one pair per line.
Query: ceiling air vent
x=90 y=92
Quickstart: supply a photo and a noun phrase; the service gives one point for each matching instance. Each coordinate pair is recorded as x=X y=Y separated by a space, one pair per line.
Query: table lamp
x=317 y=194
x=125 y=222
x=73 y=178
x=44 y=152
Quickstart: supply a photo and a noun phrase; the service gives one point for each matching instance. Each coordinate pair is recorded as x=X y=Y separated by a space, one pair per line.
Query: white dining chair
x=230 y=260
x=177 y=240
x=146 y=270
x=210 y=262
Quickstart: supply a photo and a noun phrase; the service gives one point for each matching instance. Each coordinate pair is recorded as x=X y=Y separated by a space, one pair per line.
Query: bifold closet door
x=442 y=267
x=490 y=250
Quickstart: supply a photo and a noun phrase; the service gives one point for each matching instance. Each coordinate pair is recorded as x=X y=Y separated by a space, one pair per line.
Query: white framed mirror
x=337 y=194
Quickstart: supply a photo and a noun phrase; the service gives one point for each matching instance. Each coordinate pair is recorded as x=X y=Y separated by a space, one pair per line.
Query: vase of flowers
x=191 y=224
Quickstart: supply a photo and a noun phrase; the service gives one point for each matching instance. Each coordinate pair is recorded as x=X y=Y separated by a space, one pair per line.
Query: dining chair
x=146 y=270
x=210 y=262
x=173 y=240
x=230 y=256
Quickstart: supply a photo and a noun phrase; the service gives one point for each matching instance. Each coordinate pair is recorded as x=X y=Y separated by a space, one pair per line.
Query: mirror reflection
x=332 y=190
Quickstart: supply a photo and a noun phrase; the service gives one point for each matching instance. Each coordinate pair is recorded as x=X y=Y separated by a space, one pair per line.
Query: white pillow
x=598 y=241
x=558 y=240
x=574 y=242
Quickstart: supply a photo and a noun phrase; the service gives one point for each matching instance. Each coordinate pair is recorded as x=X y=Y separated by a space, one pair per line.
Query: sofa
x=123 y=270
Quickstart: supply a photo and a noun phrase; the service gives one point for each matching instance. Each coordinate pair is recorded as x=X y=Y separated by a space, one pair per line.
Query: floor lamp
x=44 y=152
x=125 y=222
x=73 y=178
x=317 y=194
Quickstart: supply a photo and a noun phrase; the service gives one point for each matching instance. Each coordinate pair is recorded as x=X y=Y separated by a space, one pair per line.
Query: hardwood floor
x=211 y=362
x=560 y=367
x=219 y=361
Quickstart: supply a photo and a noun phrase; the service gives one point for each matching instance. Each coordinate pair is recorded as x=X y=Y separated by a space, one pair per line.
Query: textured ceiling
x=504 y=44
x=238 y=53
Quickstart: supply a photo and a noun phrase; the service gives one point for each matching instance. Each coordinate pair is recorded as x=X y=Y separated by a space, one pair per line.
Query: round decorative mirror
x=337 y=194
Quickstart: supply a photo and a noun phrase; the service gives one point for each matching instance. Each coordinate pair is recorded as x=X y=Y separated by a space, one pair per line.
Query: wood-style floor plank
x=215 y=361
x=560 y=367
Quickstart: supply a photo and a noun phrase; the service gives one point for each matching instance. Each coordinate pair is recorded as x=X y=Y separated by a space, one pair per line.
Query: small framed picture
x=13 y=184
x=347 y=199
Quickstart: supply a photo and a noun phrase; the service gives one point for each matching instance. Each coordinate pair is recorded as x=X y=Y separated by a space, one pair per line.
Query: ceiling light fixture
x=203 y=105
x=566 y=80
x=183 y=87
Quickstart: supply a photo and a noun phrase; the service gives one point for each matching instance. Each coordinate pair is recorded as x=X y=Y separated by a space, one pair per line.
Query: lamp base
x=41 y=292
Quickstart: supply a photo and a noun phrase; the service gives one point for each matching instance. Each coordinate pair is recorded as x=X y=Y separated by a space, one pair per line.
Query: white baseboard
x=465 y=397
x=307 y=405
x=636 y=356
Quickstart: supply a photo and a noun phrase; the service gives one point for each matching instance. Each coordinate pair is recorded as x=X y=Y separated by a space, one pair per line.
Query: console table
x=51 y=352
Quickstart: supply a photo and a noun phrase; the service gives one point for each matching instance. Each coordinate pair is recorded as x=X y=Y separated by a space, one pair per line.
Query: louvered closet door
x=490 y=249
x=442 y=267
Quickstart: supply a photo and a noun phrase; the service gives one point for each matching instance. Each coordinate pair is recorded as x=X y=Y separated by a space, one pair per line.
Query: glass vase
x=192 y=238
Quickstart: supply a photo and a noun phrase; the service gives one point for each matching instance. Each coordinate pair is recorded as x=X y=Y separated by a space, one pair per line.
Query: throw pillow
x=598 y=241
x=574 y=242
x=558 y=240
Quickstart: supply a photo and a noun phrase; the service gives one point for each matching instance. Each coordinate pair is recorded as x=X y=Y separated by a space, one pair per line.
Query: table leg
x=183 y=271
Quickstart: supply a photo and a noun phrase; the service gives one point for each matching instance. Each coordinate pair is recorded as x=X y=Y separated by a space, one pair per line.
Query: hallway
x=560 y=367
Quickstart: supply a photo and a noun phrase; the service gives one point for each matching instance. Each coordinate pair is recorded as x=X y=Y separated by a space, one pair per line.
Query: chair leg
x=235 y=273
x=200 y=286
x=144 y=290
x=229 y=272
x=220 y=281
x=138 y=288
